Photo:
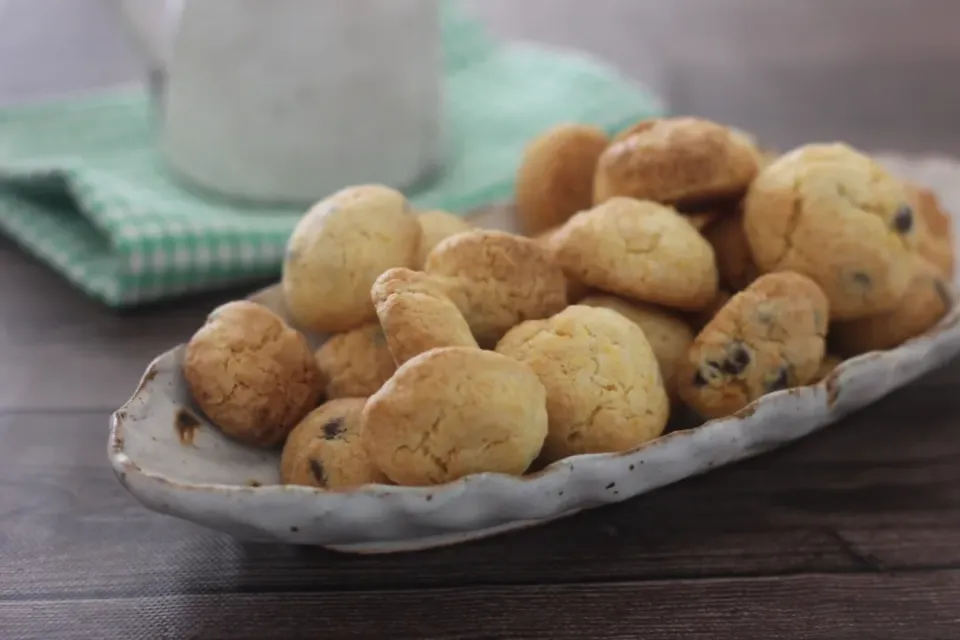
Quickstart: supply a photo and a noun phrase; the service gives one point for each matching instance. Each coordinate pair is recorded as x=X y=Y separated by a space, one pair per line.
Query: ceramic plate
x=174 y=462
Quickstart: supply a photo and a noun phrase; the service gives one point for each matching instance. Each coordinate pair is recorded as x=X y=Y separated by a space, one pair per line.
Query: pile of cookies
x=674 y=265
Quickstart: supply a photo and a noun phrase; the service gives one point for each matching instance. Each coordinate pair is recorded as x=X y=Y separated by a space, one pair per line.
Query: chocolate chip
x=737 y=360
x=319 y=473
x=333 y=429
x=779 y=382
x=903 y=219
x=862 y=279
x=699 y=380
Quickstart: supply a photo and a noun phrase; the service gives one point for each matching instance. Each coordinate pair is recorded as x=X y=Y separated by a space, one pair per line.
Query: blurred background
x=789 y=70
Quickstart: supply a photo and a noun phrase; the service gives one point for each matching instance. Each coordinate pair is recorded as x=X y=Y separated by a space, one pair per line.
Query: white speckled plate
x=177 y=464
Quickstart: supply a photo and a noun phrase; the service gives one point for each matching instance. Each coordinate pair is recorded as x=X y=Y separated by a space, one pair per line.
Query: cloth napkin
x=83 y=189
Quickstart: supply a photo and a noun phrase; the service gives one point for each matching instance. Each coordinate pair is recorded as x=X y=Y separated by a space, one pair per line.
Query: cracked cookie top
x=497 y=279
x=325 y=449
x=768 y=337
x=639 y=249
x=669 y=335
x=416 y=315
x=834 y=214
x=604 y=388
x=453 y=411
x=681 y=161
x=339 y=248
x=251 y=374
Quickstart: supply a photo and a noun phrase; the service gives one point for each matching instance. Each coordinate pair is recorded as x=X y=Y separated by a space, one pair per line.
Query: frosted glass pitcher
x=286 y=101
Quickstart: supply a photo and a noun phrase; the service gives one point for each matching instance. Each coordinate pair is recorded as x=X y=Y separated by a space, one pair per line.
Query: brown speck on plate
x=186 y=425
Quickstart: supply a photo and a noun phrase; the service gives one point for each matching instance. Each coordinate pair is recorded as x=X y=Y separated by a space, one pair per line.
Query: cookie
x=434 y=227
x=339 y=248
x=734 y=261
x=831 y=213
x=929 y=297
x=555 y=178
x=679 y=161
x=325 y=449
x=416 y=315
x=356 y=363
x=769 y=337
x=575 y=289
x=669 y=335
x=251 y=374
x=935 y=242
x=497 y=280
x=604 y=388
x=639 y=249
x=455 y=411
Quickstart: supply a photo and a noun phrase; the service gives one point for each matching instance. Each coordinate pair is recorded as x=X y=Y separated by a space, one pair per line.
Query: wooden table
x=853 y=533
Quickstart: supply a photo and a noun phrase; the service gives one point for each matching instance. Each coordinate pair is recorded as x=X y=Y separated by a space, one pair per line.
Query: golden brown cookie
x=769 y=337
x=434 y=227
x=935 y=242
x=357 y=362
x=575 y=289
x=836 y=216
x=325 y=450
x=416 y=315
x=734 y=260
x=497 y=280
x=252 y=375
x=669 y=335
x=929 y=297
x=678 y=161
x=639 y=249
x=339 y=248
x=604 y=388
x=454 y=411
x=555 y=178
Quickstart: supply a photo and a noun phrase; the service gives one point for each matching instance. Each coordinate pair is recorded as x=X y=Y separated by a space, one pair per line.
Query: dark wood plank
x=878 y=492
x=60 y=349
x=917 y=606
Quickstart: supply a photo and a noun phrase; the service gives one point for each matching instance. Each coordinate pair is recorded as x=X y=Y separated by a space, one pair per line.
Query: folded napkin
x=82 y=187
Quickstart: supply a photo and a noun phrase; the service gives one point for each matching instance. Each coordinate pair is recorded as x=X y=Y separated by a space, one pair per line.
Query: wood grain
x=906 y=606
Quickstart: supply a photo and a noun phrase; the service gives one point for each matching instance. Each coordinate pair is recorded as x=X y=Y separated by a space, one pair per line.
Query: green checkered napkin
x=82 y=188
